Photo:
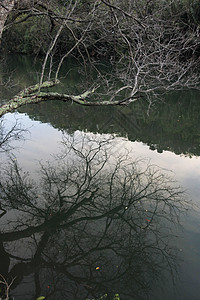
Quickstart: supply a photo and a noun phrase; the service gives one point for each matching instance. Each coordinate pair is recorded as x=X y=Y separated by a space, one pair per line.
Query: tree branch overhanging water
x=148 y=48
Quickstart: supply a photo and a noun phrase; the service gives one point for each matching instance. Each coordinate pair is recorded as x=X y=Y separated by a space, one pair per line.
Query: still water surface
x=100 y=213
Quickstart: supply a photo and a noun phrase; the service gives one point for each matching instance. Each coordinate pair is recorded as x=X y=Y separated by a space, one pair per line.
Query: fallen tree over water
x=33 y=94
x=148 y=50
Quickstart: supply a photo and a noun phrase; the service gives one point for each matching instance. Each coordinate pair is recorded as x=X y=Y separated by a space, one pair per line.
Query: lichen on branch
x=26 y=96
x=33 y=94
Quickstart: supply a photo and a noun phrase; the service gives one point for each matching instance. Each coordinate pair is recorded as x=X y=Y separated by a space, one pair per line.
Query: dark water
x=99 y=201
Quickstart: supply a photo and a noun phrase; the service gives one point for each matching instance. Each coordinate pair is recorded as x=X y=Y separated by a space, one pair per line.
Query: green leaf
x=40 y=298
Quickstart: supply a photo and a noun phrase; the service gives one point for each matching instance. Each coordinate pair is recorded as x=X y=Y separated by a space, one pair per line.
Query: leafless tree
x=91 y=220
x=6 y=286
x=14 y=132
x=149 y=52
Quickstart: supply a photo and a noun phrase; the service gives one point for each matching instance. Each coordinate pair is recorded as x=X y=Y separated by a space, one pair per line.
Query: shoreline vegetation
x=152 y=47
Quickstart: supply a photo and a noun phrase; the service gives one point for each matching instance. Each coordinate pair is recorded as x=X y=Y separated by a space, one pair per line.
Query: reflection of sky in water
x=186 y=170
x=44 y=140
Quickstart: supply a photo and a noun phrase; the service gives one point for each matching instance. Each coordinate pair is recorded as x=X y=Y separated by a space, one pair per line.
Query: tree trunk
x=5 y=8
x=33 y=94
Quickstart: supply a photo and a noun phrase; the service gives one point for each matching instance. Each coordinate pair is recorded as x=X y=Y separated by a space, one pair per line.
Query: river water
x=98 y=201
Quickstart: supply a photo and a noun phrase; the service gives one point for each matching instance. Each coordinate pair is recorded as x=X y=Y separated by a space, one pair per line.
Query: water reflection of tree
x=93 y=224
x=8 y=134
x=171 y=126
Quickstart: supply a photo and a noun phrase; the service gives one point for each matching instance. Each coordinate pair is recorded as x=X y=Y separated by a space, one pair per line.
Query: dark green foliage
x=190 y=13
x=34 y=35
x=31 y=36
